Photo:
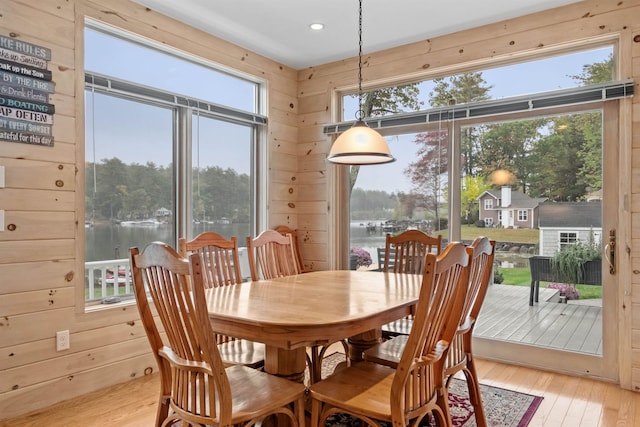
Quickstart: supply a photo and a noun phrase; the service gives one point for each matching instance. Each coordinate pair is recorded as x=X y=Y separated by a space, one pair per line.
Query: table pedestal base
x=289 y=364
x=361 y=342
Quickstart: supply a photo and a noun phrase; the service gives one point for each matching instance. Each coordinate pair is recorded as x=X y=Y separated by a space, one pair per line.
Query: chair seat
x=362 y=388
x=397 y=327
x=387 y=353
x=255 y=393
x=242 y=352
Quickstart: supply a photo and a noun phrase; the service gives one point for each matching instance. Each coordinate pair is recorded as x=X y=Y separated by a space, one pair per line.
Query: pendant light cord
x=360 y=113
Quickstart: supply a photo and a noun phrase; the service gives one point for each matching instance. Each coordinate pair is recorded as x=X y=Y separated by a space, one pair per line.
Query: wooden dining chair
x=202 y=390
x=154 y=337
x=221 y=262
x=415 y=390
x=460 y=355
x=284 y=230
x=404 y=253
x=271 y=255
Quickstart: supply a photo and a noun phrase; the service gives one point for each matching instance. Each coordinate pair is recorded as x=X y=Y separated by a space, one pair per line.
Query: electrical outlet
x=62 y=340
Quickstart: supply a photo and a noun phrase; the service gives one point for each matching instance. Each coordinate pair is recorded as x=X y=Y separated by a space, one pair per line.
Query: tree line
x=117 y=191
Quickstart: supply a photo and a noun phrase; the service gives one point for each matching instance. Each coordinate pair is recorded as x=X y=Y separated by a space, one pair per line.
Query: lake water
x=112 y=241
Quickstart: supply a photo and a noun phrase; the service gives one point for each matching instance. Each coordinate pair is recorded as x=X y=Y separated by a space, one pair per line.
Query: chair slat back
x=271 y=255
x=218 y=255
x=405 y=252
x=220 y=259
x=284 y=230
x=199 y=385
x=420 y=371
x=481 y=253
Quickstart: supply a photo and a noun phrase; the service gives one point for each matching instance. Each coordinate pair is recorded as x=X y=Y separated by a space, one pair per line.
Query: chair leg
x=299 y=411
x=474 y=392
x=315 y=412
x=443 y=418
x=315 y=364
x=163 y=410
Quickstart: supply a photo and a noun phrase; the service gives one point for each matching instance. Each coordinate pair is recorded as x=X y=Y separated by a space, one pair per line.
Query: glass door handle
x=610 y=251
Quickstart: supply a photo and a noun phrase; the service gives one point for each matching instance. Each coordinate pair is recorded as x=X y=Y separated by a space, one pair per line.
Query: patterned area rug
x=503 y=408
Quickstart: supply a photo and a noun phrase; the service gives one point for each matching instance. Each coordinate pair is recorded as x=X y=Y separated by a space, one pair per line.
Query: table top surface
x=307 y=307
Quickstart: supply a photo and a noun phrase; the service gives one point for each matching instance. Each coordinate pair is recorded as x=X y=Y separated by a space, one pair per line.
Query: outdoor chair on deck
x=221 y=262
x=415 y=390
x=202 y=391
x=405 y=253
x=460 y=356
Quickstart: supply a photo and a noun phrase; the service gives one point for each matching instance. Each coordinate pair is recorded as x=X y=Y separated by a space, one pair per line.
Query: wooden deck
x=507 y=316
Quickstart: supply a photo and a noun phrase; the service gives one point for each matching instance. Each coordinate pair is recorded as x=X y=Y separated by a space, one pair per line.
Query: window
x=423 y=121
x=163 y=157
x=567 y=239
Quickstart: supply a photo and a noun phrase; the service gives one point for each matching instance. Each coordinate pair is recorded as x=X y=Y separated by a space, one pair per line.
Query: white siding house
x=565 y=223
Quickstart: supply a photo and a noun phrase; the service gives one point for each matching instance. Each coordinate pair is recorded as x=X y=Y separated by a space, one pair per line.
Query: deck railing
x=108 y=281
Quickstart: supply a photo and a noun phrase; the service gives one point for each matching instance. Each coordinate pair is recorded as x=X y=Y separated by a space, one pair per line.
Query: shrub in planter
x=358 y=257
x=568 y=265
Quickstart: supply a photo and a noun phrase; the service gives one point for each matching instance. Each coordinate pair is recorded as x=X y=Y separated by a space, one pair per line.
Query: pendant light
x=360 y=145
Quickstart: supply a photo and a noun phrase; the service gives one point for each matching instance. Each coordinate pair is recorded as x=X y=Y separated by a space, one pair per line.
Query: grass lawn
x=521 y=235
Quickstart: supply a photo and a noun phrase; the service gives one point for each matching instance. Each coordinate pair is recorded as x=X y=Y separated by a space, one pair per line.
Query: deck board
x=507 y=316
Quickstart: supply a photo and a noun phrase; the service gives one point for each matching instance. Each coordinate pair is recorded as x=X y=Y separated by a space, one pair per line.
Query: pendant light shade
x=360 y=145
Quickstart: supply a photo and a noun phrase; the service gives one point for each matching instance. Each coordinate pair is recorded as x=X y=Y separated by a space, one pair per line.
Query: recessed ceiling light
x=316 y=26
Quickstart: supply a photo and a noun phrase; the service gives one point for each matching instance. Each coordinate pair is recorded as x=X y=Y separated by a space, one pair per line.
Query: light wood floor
x=568 y=401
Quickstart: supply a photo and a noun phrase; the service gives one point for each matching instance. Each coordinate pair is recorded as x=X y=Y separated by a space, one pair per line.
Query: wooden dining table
x=289 y=314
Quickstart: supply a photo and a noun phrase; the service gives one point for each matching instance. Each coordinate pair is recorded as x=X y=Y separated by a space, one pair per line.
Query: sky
x=179 y=76
x=515 y=80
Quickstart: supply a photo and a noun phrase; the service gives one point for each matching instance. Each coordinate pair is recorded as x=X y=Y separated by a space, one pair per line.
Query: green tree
x=508 y=146
x=572 y=153
x=462 y=89
x=598 y=72
x=472 y=188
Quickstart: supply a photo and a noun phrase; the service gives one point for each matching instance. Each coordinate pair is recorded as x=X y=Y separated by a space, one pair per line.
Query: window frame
x=571 y=237
x=523 y=215
x=184 y=107
x=488 y=203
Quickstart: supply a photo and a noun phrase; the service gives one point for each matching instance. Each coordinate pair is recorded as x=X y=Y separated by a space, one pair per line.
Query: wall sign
x=25 y=84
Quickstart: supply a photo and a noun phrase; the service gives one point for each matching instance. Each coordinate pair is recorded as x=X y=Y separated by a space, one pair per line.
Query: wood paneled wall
x=41 y=260
x=562 y=28
x=41 y=265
